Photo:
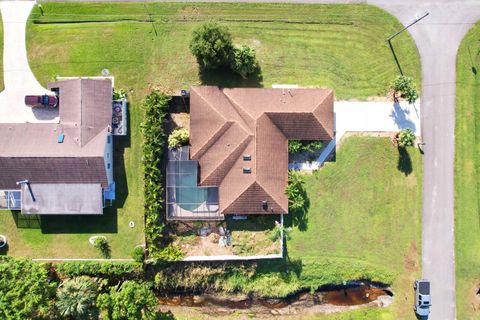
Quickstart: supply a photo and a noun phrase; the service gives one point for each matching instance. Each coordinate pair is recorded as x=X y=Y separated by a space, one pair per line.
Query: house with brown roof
x=237 y=163
x=64 y=167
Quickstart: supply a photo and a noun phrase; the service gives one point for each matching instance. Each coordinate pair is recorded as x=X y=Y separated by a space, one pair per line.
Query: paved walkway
x=18 y=78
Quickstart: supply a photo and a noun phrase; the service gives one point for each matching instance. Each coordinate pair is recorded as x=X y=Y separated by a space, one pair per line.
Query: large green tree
x=76 y=298
x=212 y=46
x=25 y=289
x=132 y=300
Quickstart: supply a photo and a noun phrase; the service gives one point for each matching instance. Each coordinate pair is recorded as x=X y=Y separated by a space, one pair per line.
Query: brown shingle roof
x=225 y=124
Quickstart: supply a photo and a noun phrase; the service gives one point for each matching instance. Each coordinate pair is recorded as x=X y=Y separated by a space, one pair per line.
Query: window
x=108 y=165
x=108 y=139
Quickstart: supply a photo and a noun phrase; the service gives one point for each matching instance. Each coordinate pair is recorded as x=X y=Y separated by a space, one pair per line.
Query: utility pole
x=396 y=34
x=411 y=24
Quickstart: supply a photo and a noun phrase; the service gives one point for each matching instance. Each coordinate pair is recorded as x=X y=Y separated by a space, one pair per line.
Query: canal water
x=353 y=295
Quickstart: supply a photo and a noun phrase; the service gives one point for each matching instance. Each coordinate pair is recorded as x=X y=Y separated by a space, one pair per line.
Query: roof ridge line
x=210 y=105
x=242 y=146
x=270 y=194
x=210 y=141
x=237 y=106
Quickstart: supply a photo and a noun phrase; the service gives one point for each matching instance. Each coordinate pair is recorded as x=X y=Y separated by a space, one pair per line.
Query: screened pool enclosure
x=185 y=199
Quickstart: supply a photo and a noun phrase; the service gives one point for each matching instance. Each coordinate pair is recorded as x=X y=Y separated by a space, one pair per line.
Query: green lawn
x=338 y=46
x=363 y=208
x=467 y=175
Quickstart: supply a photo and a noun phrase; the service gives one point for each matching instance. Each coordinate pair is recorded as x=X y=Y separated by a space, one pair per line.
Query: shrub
x=119 y=94
x=406 y=138
x=178 y=137
x=131 y=301
x=295 y=191
x=76 y=298
x=276 y=232
x=169 y=253
x=406 y=87
x=26 y=291
x=154 y=141
x=298 y=146
x=112 y=270
x=212 y=45
x=245 y=61
x=138 y=254
x=102 y=245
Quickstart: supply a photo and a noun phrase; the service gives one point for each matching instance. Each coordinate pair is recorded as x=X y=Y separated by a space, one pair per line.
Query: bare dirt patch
x=410 y=261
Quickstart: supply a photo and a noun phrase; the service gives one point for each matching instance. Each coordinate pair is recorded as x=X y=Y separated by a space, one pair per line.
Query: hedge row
x=124 y=270
x=153 y=129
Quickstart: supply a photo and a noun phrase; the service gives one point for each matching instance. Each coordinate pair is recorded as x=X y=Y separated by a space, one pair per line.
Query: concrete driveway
x=18 y=78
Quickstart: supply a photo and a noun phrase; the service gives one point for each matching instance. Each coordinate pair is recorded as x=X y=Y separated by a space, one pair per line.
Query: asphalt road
x=437 y=37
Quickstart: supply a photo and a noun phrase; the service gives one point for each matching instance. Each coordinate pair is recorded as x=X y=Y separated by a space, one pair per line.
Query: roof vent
x=60 y=138
x=265 y=205
x=247 y=170
x=247 y=157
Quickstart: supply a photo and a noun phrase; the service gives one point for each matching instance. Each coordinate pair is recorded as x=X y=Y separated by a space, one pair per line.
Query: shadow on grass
x=395 y=57
x=299 y=217
x=4 y=250
x=228 y=79
x=404 y=161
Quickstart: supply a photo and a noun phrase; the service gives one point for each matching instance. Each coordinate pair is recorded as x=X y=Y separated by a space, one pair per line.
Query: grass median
x=467 y=175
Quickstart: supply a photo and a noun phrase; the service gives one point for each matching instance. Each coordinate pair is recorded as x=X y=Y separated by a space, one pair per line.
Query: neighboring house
x=239 y=149
x=66 y=167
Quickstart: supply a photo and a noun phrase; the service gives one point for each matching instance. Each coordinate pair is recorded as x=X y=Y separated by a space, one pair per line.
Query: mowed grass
x=366 y=207
x=337 y=46
x=467 y=175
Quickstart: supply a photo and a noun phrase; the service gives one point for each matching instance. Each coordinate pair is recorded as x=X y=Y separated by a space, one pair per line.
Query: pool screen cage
x=185 y=199
x=10 y=200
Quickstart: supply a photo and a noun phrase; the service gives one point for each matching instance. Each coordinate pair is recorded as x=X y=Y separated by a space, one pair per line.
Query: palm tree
x=76 y=298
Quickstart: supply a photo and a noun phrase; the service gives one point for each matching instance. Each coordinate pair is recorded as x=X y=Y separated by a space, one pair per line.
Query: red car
x=49 y=101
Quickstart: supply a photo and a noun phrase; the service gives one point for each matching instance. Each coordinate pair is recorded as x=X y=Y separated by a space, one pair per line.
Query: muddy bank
x=330 y=300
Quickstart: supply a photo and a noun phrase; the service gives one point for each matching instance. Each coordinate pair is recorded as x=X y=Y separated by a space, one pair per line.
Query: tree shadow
x=299 y=217
x=399 y=115
x=168 y=315
x=404 y=161
x=226 y=78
